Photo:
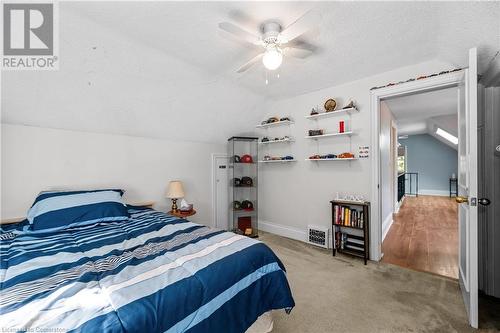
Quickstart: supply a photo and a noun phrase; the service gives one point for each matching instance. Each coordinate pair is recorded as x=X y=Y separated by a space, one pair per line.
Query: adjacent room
x=422 y=227
x=250 y=166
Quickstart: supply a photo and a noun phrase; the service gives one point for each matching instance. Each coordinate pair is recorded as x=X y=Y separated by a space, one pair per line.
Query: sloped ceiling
x=162 y=69
x=422 y=113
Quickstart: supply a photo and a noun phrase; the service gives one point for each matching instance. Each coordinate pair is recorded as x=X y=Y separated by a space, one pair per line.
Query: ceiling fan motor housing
x=270 y=32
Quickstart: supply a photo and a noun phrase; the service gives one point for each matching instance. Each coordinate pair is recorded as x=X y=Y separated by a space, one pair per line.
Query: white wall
x=35 y=159
x=291 y=196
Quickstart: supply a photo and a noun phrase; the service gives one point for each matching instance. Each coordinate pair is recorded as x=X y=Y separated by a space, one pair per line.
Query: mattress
x=152 y=273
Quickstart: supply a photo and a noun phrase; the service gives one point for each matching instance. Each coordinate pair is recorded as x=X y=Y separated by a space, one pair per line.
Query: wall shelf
x=278 y=161
x=277 y=123
x=276 y=141
x=316 y=137
x=328 y=114
x=331 y=159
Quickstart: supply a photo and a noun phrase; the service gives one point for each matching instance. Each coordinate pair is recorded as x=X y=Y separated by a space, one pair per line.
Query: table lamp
x=175 y=191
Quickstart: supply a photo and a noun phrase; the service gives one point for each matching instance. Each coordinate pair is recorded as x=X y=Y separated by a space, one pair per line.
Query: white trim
x=283 y=230
x=214 y=186
x=386 y=226
x=434 y=192
x=436 y=82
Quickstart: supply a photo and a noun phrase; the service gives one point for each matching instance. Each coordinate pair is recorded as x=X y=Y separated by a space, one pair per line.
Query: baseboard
x=386 y=225
x=283 y=230
x=434 y=192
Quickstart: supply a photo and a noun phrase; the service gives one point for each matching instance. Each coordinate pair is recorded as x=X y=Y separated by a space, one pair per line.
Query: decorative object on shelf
x=246 y=181
x=330 y=105
x=265 y=139
x=346 y=155
x=272 y=120
x=185 y=207
x=267 y=158
x=246 y=159
x=418 y=78
x=349 y=219
x=243 y=196
x=236 y=182
x=247 y=205
x=175 y=191
x=316 y=132
x=314 y=111
x=285 y=119
x=349 y=197
x=236 y=159
x=341 y=126
x=331 y=157
x=350 y=104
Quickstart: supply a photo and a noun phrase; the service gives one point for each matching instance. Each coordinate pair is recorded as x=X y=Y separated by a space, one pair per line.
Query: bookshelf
x=351 y=225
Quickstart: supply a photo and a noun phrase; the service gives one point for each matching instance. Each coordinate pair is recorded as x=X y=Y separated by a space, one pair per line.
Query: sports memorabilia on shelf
x=341 y=126
x=242 y=175
x=421 y=77
x=236 y=205
x=331 y=156
x=330 y=105
x=350 y=104
x=247 y=205
x=316 y=132
x=246 y=159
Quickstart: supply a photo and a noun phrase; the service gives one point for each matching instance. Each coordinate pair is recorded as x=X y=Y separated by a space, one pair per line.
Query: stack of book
x=346 y=216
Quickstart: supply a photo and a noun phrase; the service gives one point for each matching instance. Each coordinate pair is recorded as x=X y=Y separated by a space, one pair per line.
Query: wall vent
x=318 y=236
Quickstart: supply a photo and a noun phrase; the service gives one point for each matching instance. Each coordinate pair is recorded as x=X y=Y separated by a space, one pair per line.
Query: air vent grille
x=318 y=236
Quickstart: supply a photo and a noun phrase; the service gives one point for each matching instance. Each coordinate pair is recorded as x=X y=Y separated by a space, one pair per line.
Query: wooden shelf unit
x=351 y=243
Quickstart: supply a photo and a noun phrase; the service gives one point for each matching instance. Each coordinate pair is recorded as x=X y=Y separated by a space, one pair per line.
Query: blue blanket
x=152 y=273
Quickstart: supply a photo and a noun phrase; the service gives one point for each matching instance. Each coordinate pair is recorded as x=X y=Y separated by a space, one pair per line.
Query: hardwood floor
x=424 y=236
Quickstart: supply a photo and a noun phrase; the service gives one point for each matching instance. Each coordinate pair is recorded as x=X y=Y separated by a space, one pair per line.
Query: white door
x=221 y=192
x=467 y=189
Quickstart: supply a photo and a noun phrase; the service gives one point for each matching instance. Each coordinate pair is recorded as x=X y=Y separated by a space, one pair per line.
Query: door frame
x=214 y=157
x=376 y=95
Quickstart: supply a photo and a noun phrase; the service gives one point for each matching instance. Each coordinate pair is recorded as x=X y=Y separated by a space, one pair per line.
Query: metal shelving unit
x=243 y=221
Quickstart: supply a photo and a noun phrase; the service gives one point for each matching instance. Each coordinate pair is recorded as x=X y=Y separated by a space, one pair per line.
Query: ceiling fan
x=275 y=41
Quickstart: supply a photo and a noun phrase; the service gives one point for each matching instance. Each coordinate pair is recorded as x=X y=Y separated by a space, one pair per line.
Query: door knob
x=484 y=201
x=461 y=199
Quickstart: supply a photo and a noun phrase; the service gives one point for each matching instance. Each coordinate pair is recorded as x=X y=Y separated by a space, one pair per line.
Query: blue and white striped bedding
x=151 y=273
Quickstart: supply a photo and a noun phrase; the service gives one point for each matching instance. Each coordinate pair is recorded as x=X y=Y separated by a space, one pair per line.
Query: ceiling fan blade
x=299 y=43
x=299 y=26
x=297 y=52
x=250 y=63
x=240 y=33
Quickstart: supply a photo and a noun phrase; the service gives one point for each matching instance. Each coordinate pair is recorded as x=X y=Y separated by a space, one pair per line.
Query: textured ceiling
x=355 y=39
x=162 y=69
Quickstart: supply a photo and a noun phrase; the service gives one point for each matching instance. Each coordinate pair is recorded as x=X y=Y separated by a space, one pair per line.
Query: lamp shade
x=175 y=190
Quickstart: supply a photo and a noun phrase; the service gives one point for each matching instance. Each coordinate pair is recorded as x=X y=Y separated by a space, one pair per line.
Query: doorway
x=220 y=198
x=420 y=228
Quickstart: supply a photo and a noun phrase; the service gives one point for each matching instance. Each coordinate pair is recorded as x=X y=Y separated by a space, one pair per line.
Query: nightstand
x=181 y=214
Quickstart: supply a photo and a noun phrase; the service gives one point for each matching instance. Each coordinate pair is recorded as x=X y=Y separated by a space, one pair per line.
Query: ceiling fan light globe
x=272 y=59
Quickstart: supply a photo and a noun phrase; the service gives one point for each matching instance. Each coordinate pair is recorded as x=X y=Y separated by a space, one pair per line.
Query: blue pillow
x=59 y=210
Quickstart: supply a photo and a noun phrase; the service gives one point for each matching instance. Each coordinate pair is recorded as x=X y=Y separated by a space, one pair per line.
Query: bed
x=150 y=273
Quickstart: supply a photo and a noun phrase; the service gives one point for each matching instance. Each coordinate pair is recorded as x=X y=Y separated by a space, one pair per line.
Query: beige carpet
x=340 y=294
